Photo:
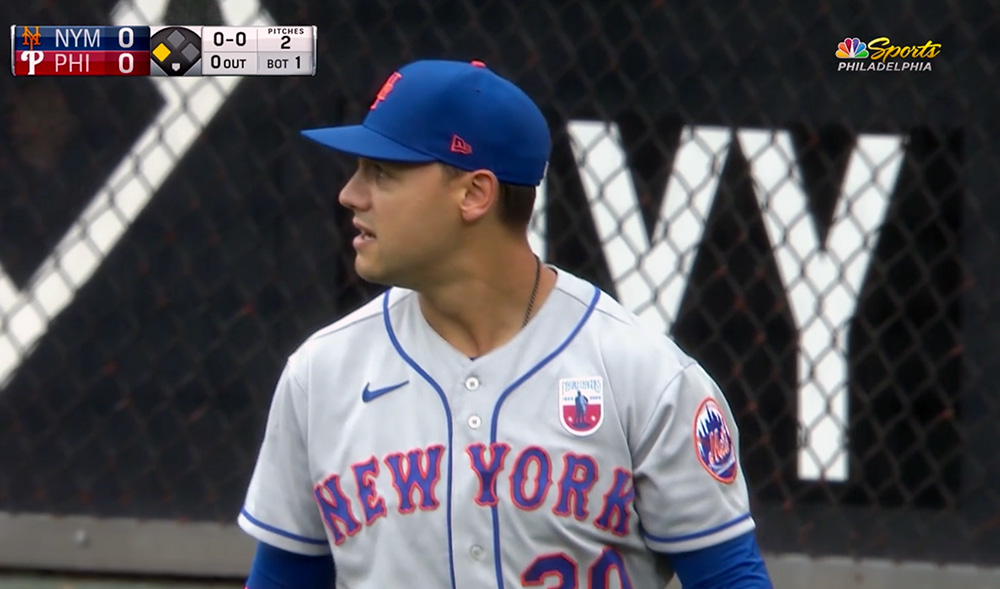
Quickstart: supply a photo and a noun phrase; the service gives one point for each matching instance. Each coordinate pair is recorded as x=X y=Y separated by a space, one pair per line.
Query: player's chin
x=369 y=270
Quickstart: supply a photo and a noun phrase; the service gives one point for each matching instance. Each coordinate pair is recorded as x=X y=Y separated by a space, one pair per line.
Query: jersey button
x=475 y=421
x=477 y=552
x=471 y=383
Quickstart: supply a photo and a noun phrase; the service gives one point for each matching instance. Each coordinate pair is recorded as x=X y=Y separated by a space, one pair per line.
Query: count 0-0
x=219 y=39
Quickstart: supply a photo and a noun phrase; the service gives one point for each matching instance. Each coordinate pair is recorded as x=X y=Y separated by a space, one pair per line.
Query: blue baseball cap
x=454 y=112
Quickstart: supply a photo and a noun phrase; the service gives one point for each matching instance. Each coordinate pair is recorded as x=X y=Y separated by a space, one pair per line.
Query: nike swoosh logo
x=369 y=394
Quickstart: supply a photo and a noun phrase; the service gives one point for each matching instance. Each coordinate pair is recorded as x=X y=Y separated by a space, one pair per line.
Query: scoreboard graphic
x=169 y=50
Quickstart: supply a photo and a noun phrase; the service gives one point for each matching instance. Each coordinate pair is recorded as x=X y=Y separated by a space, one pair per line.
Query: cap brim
x=361 y=141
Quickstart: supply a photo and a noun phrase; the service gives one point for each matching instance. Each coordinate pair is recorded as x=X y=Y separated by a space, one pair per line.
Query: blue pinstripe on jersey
x=447 y=410
x=503 y=396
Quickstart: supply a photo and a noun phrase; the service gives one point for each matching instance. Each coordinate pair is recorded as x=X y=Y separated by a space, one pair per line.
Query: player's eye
x=377 y=171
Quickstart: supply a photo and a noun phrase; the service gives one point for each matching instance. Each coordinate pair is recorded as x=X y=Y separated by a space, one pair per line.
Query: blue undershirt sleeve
x=274 y=568
x=733 y=564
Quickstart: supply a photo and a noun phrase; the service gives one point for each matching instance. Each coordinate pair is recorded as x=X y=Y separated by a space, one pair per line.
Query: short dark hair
x=516 y=201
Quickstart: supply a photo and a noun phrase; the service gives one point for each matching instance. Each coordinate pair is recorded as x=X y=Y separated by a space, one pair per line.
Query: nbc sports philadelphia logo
x=881 y=55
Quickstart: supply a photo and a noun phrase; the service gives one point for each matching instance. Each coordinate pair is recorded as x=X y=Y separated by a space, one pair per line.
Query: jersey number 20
x=563 y=568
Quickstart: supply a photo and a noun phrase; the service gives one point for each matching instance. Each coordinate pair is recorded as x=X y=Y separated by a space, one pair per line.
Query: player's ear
x=481 y=191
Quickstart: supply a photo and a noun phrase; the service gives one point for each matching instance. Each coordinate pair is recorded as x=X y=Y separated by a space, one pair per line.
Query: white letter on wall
x=650 y=275
x=823 y=282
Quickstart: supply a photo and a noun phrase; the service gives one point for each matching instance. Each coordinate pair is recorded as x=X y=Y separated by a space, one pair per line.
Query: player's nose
x=353 y=195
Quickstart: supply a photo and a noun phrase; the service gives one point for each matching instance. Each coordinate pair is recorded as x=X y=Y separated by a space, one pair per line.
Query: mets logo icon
x=581 y=404
x=713 y=443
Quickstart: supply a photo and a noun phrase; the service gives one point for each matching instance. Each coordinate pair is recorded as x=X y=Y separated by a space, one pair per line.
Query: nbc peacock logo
x=852 y=48
x=882 y=55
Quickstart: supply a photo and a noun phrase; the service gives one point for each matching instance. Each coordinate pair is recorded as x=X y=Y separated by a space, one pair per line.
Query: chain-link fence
x=823 y=239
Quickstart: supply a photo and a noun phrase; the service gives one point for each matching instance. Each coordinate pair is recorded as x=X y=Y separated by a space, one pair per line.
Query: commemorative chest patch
x=713 y=443
x=581 y=404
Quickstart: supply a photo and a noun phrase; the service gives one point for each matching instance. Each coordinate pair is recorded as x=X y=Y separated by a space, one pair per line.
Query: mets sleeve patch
x=713 y=443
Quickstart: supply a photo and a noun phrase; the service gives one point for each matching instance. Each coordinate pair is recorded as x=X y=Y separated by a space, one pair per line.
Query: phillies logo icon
x=581 y=404
x=33 y=58
x=714 y=443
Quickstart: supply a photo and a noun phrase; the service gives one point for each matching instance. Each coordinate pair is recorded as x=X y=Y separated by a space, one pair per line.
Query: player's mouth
x=364 y=236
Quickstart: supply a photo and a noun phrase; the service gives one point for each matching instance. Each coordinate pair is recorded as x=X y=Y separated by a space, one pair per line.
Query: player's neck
x=485 y=305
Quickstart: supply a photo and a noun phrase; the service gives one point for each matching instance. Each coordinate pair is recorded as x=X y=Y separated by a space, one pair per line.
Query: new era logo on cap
x=459 y=145
x=459 y=113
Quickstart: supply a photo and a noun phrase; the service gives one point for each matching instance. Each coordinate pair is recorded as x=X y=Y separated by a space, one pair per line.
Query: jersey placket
x=472 y=395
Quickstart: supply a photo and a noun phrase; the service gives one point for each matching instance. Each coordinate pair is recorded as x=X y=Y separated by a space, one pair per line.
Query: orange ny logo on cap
x=386 y=89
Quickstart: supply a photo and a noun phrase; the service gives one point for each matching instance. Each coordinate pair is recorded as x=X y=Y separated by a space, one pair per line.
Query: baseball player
x=489 y=421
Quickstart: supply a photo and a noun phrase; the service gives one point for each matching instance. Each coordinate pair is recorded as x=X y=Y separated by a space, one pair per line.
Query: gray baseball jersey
x=564 y=458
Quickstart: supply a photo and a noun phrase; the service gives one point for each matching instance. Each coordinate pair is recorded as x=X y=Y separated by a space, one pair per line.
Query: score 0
x=286 y=51
x=132 y=50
